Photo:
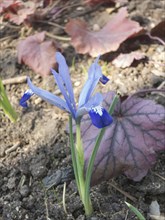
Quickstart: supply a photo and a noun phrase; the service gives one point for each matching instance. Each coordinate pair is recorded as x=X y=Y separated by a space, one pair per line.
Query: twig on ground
x=155 y=38
x=156 y=174
x=63 y=198
x=8 y=37
x=15 y=80
x=46 y=206
x=160 y=87
x=158 y=90
x=13 y=148
x=126 y=215
x=50 y=23
x=58 y=37
x=123 y=192
x=10 y=25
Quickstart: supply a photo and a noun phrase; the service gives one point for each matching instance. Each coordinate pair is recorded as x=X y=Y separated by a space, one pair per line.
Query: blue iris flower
x=86 y=104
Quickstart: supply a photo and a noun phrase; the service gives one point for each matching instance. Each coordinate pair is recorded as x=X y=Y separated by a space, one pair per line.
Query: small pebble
x=37 y=101
x=94 y=218
x=24 y=190
x=158 y=73
x=80 y=8
x=11 y=182
x=57 y=92
x=38 y=171
x=77 y=83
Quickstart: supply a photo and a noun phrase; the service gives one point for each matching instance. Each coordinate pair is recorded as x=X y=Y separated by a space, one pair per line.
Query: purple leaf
x=130 y=143
x=37 y=53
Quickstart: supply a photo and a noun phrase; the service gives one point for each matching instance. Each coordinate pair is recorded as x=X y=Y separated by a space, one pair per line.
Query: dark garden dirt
x=35 y=160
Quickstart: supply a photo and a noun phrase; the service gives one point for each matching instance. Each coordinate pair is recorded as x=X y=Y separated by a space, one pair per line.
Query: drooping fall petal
x=26 y=96
x=100 y=117
x=47 y=96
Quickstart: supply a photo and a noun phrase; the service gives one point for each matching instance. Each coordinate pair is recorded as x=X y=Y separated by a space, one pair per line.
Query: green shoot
x=5 y=104
x=136 y=212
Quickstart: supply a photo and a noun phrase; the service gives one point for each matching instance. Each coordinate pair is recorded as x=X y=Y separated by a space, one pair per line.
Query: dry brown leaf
x=38 y=54
x=109 y=38
x=6 y=4
x=17 y=11
x=125 y=60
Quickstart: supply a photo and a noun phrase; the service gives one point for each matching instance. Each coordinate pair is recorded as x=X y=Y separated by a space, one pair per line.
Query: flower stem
x=93 y=155
x=79 y=146
x=80 y=159
x=77 y=153
x=73 y=154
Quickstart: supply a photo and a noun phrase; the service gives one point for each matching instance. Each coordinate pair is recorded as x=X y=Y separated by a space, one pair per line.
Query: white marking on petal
x=29 y=91
x=98 y=110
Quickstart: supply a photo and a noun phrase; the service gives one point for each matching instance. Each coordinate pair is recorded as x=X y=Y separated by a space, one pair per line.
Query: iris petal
x=60 y=84
x=26 y=96
x=94 y=75
x=100 y=117
x=92 y=102
x=87 y=104
x=104 y=79
x=64 y=73
x=48 y=96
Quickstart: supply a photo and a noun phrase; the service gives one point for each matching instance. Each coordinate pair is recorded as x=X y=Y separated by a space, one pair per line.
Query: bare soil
x=35 y=159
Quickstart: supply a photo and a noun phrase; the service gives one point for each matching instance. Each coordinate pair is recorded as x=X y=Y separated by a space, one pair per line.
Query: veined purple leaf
x=130 y=143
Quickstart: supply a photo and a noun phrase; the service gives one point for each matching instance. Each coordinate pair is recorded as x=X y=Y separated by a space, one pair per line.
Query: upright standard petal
x=49 y=97
x=100 y=117
x=64 y=73
x=94 y=75
x=63 y=90
x=26 y=96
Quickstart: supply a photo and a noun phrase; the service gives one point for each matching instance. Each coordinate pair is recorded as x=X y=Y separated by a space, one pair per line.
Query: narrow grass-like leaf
x=5 y=104
x=134 y=209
